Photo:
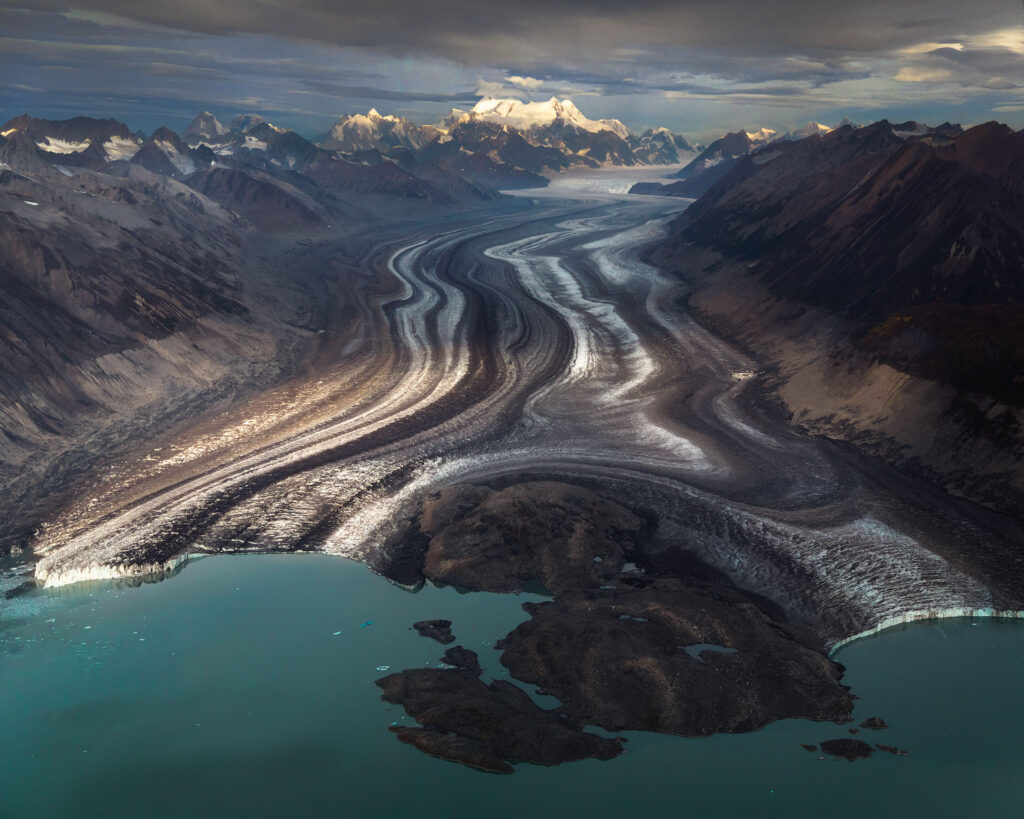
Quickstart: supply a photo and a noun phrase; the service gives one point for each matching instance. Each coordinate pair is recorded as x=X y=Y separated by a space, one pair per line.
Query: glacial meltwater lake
x=243 y=687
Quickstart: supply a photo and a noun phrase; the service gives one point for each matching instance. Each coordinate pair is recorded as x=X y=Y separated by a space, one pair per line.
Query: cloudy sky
x=701 y=67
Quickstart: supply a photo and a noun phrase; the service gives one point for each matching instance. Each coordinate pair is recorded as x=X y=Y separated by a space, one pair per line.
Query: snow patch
x=218 y=149
x=183 y=163
x=920 y=130
x=120 y=148
x=60 y=146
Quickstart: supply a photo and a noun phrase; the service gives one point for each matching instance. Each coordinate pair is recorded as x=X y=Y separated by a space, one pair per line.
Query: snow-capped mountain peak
x=245 y=122
x=617 y=127
x=376 y=116
x=206 y=125
x=810 y=129
x=373 y=130
x=762 y=136
x=530 y=115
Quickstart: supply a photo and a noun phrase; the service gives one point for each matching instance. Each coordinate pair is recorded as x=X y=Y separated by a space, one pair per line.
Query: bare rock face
x=269 y=204
x=563 y=536
x=672 y=659
x=485 y=726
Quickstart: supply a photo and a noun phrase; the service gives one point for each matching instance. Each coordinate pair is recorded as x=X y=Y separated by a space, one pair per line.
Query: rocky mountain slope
x=659 y=146
x=140 y=278
x=117 y=295
x=722 y=155
x=878 y=271
x=716 y=161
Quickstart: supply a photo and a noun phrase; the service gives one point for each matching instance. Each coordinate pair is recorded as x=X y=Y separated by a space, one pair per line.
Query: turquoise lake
x=243 y=687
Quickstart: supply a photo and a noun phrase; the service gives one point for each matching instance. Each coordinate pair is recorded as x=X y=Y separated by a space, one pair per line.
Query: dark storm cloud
x=472 y=30
x=371 y=93
x=697 y=65
x=969 y=63
x=674 y=71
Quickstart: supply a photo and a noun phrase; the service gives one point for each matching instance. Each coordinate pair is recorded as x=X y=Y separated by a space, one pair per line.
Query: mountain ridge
x=895 y=253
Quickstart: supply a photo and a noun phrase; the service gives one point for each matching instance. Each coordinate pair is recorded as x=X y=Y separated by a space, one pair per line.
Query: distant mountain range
x=498 y=144
x=273 y=177
x=499 y=137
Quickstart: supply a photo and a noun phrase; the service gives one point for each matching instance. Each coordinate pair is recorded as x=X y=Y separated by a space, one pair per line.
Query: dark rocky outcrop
x=485 y=726
x=674 y=649
x=849 y=749
x=874 y=724
x=440 y=630
x=463 y=658
x=618 y=659
x=562 y=536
